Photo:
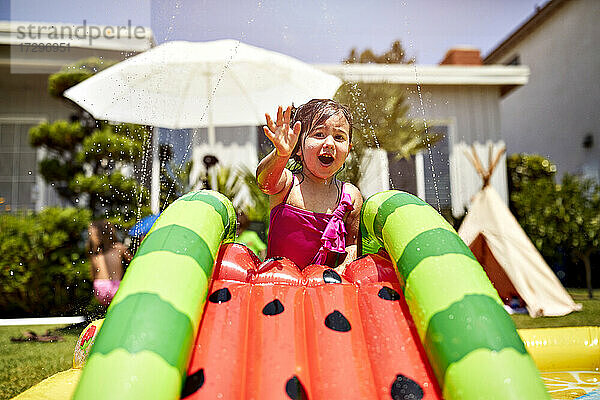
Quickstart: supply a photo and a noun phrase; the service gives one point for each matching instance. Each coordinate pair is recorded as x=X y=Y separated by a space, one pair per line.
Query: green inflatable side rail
x=143 y=348
x=470 y=340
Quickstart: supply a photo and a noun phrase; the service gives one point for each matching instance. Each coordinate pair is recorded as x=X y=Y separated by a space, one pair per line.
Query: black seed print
x=405 y=388
x=273 y=308
x=337 y=322
x=295 y=390
x=387 y=293
x=220 y=296
x=330 y=276
x=193 y=383
x=274 y=259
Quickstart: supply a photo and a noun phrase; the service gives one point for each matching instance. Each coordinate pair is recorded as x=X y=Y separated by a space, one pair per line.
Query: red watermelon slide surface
x=271 y=331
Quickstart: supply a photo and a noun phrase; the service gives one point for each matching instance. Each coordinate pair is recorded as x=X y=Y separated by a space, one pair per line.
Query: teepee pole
x=495 y=162
x=485 y=174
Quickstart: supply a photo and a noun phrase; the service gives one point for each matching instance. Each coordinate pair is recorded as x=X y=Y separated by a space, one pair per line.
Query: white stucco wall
x=471 y=114
x=473 y=108
x=560 y=105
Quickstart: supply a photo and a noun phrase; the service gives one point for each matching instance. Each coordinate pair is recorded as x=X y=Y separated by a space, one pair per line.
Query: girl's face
x=325 y=148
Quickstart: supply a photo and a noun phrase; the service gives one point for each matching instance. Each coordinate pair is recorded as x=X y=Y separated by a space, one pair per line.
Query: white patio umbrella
x=191 y=85
x=201 y=84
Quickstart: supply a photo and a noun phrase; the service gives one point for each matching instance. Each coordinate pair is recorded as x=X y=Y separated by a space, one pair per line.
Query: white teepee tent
x=508 y=256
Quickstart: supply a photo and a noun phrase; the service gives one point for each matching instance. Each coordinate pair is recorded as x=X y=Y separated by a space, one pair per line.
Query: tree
x=564 y=216
x=380 y=122
x=88 y=166
x=395 y=55
x=527 y=168
x=380 y=114
x=71 y=75
x=577 y=211
x=532 y=190
x=89 y=161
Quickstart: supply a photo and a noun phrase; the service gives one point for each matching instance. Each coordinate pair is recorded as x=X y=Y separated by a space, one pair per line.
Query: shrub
x=532 y=197
x=43 y=266
x=561 y=219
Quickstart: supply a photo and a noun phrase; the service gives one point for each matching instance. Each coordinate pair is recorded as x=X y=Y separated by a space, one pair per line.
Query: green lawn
x=22 y=365
x=588 y=316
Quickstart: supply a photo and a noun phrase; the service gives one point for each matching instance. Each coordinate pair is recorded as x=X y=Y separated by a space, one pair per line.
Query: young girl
x=314 y=217
x=106 y=260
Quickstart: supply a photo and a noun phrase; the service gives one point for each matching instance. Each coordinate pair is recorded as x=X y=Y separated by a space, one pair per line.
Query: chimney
x=462 y=56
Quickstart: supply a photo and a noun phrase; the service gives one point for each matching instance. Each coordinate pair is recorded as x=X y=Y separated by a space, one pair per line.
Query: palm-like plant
x=257 y=207
x=380 y=122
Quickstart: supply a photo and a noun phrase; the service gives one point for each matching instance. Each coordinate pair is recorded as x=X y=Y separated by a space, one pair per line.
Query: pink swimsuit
x=105 y=289
x=308 y=237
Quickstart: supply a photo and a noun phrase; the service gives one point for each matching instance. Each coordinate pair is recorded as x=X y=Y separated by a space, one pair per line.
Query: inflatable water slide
x=425 y=323
x=415 y=317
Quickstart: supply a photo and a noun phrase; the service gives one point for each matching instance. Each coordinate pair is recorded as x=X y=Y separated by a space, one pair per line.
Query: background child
x=314 y=217
x=106 y=260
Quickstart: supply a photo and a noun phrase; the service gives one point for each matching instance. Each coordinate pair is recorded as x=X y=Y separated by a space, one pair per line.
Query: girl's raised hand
x=279 y=133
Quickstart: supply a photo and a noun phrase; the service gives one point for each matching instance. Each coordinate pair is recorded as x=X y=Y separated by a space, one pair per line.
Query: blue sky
x=313 y=31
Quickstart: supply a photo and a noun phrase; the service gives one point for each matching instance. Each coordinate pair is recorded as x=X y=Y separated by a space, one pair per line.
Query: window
x=18 y=167
x=436 y=169
x=403 y=174
x=426 y=174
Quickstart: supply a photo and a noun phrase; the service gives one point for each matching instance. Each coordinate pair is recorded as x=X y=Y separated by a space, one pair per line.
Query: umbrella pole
x=210 y=133
x=155 y=182
x=212 y=137
x=211 y=127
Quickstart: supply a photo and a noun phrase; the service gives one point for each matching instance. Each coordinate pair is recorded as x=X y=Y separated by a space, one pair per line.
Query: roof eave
x=506 y=77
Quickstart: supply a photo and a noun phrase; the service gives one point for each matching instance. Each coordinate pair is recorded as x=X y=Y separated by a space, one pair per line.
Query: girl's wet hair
x=314 y=113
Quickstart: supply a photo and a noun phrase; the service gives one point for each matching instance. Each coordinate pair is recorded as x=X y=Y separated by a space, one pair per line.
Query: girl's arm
x=97 y=265
x=271 y=174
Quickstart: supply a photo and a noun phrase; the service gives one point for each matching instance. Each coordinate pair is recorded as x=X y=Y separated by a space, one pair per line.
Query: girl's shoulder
x=355 y=195
x=350 y=188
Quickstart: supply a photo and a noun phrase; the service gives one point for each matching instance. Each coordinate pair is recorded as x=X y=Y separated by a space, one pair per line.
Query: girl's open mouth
x=326 y=159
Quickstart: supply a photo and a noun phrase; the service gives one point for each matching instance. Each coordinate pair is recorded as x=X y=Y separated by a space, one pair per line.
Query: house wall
x=465 y=114
x=559 y=106
x=460 y=100
x=474 y=109
x=24 y=103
